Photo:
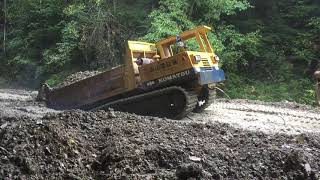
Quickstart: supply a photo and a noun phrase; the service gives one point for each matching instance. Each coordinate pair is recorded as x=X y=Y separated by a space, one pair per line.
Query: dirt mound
x=77 y=77
x=115 y=145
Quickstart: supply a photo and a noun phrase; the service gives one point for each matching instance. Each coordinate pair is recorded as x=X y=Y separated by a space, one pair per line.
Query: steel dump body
x=89 y=90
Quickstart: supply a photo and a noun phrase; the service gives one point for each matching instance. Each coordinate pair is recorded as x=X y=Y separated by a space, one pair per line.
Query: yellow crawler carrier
x=167 y=79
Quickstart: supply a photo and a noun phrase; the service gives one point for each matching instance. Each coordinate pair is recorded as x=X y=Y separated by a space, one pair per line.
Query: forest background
x=268 y=48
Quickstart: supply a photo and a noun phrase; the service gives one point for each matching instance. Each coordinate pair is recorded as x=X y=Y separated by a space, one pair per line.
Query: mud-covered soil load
x=77 y=77
x=115 y=145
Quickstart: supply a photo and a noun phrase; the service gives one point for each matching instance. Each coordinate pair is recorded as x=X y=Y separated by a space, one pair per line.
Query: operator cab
x=194 y=45
x=194 y=41
x=183 y=57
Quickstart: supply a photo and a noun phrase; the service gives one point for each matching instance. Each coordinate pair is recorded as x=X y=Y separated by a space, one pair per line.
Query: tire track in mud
x=289 y=118
x=269 y=110
x=269 y=118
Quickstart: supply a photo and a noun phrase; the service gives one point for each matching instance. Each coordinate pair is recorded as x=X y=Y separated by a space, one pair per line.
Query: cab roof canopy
x=185 y=35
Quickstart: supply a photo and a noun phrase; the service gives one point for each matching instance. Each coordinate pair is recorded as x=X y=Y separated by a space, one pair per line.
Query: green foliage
x=211 y=11
x=169 y=19
x=174 y=16
x=295 y=90
x=289 y=33
x=35 y=27
x=53 y=36
x=266 y=47
x=56 y=58
x=315 y=24
x=237 y=49
x=55 y=79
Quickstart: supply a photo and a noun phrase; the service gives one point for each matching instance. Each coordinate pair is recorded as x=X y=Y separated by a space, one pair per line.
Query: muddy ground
x=232 y=139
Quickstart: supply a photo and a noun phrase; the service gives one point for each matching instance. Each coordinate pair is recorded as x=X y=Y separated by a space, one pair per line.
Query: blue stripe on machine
x=211 y=76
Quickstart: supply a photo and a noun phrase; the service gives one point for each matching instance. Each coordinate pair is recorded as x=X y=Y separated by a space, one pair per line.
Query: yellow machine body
x=174 y=62
x=186 y=60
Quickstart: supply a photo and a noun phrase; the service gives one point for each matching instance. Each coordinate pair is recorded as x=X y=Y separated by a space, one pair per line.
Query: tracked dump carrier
x=169 y=78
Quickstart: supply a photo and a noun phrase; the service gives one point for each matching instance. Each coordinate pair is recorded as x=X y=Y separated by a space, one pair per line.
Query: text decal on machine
x=169 y=78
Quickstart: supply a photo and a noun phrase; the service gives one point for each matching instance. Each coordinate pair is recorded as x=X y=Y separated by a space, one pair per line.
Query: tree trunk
x=318 y=92
x=4 y=27
x=114 y=6
x=192 y=7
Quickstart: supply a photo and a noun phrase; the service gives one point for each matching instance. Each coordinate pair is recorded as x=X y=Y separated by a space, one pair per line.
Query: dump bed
x=89 y=90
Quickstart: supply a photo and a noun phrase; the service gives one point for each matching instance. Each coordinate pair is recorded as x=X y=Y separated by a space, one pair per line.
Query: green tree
x=51 y=36
x=174 y=16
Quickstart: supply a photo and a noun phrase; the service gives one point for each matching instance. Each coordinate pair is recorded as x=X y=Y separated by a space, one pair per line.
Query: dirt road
x=233 y=139
x=17 y=103
x=285 y=117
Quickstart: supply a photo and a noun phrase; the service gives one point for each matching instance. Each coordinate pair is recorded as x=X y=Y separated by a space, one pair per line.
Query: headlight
x=197 y=58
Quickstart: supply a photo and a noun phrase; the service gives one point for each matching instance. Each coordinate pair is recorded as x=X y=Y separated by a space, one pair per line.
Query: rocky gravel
x=117 y=145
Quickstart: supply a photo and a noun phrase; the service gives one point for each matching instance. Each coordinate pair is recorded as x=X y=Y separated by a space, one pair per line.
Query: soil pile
x=77 y=77
x=116 y=145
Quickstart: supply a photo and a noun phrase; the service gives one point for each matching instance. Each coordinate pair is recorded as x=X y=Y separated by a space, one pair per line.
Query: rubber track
x=212 y=96
x=192 y=102
x=140 y=101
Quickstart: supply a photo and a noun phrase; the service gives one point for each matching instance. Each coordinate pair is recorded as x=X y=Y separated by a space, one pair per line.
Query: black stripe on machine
x=183 y=75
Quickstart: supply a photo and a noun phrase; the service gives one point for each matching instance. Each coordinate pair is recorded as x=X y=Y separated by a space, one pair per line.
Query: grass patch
x=299 y=90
